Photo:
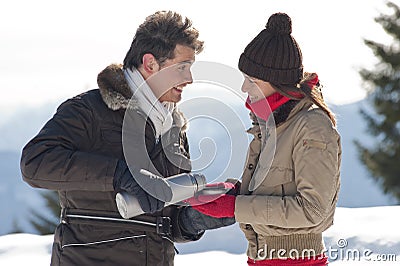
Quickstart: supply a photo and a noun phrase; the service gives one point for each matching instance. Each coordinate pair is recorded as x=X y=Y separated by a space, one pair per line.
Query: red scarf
x=264 y=107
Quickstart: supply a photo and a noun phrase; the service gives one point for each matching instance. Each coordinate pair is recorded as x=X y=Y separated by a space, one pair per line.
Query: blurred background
x=53 y=50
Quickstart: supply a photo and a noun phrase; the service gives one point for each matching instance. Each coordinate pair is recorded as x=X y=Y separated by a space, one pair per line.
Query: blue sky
x=51 y=50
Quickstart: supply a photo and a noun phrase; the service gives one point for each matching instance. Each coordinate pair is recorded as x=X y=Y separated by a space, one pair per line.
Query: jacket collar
x=117 y=95
x=281 y=115
x=284 y=111
x=302 y=105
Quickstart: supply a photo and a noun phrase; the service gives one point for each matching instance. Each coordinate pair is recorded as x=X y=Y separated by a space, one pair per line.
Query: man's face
x=174 y=74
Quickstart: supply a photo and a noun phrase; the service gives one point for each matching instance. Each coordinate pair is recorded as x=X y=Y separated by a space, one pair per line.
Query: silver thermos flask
x=183 y=186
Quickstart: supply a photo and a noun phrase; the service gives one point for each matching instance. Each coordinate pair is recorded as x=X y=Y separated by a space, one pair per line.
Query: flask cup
x=183 y=186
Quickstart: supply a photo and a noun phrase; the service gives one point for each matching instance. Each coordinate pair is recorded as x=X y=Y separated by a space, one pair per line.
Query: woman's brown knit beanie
x=274 y=55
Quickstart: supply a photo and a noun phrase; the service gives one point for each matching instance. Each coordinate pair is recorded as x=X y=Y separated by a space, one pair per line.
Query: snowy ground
x=360 y=236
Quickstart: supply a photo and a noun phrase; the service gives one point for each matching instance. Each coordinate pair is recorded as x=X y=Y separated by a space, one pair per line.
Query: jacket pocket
x=311 y=143
x=83 y=245
x=278 y=182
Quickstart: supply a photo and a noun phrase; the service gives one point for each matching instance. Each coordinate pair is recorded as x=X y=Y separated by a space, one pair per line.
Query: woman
x=286 y=202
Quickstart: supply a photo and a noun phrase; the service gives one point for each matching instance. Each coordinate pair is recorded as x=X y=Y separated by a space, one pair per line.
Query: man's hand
x=143 y=186
x=194 y=222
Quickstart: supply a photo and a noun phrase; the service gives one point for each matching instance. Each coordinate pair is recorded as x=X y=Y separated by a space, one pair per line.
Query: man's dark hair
x=158 y=35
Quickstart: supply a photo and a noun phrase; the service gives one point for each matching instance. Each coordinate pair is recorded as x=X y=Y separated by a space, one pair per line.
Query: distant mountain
x=17 y=127
x=358 y=189
x=218 y=149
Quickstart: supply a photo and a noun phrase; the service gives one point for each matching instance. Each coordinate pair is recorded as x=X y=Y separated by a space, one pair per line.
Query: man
x=80 y=153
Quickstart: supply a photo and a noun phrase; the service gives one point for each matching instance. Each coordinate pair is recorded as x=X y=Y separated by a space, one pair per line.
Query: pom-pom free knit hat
x=274 y=55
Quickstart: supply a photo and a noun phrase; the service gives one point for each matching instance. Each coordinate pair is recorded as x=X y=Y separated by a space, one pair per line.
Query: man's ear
x=150 y=64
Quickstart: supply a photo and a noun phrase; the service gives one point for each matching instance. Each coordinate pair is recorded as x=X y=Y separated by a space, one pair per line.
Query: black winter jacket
x=76 y=154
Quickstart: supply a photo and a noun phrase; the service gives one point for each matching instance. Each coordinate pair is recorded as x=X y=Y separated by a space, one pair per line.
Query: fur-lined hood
x=117 y=95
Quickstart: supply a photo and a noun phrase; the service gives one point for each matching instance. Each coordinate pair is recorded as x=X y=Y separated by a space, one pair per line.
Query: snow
x=372 y=231
x=25 y=249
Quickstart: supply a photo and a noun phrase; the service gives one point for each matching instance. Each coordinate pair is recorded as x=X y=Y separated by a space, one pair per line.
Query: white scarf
x=159 y=113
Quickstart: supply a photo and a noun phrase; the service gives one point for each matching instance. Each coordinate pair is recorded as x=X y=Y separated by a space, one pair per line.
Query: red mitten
x=223 y=206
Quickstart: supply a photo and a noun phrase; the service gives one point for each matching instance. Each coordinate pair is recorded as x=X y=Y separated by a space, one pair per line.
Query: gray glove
x=143 y=186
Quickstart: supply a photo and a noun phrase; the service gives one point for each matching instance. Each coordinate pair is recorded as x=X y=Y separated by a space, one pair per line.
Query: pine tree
x=45 y=225
x=383 y=87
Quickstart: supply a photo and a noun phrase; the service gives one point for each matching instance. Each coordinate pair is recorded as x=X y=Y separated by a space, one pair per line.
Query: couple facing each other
x=281 y=206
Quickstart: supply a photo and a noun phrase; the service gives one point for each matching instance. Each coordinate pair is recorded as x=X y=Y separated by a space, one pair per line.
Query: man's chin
x=177 y=99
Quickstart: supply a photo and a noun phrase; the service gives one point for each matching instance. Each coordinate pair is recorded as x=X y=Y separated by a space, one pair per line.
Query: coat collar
x=302 y=105
x=117 y=95
x=281 y=115
x=113 y=88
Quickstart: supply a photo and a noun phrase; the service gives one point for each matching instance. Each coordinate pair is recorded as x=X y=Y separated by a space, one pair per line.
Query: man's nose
x=188 y=78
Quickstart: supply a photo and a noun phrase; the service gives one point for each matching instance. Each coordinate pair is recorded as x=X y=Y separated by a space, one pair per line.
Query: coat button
x=251 y=166
x=259 y=135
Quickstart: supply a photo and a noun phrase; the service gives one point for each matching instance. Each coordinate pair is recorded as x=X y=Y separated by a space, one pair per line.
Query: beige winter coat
x=296 y=195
